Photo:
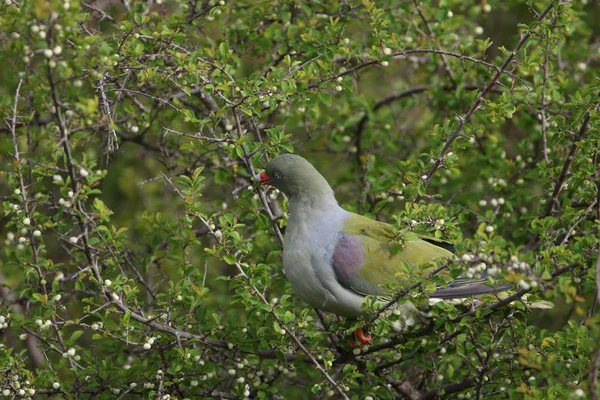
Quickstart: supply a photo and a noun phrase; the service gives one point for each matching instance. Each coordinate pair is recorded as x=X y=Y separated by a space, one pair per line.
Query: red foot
x=360 y=336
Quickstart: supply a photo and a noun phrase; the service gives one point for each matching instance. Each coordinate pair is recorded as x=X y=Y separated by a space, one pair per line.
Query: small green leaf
x=229 y=259
x=75 y=336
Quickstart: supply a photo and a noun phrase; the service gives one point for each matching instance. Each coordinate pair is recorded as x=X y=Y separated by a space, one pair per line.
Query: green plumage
x=381 y=264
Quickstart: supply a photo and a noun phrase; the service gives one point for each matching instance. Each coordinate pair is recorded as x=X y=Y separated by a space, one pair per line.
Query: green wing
x=363 y=259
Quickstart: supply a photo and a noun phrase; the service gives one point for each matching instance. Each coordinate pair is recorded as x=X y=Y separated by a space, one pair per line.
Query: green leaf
x=126 y=318
x=230 y=259
x=75 y=336
x=324 y=98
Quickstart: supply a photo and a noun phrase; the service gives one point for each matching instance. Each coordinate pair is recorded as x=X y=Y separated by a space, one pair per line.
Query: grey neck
x=313 y=202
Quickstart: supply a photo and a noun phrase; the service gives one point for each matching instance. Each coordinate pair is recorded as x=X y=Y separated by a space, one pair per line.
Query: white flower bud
x=478 y=30
x=147 y=346
x=57 y=50
x=523 y=284
x=83 y=172
x=73 y=240
x=26 y=221
x=385 y=63
x=48 y=53
x=489 y=229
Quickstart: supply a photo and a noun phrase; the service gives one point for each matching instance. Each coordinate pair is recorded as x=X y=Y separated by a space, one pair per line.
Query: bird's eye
x=276 y=175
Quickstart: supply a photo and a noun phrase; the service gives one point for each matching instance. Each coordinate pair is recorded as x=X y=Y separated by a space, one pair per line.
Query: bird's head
x=295 y=177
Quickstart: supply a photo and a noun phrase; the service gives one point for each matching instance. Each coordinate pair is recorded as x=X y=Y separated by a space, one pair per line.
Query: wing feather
x=363 y=261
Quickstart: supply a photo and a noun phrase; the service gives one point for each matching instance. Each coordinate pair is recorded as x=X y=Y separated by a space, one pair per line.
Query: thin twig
x=291 y=334
x=475 y=106
x=432 y=36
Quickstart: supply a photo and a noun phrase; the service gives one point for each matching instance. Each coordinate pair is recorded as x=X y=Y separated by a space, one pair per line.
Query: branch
x=595 y=367
x=475 y=106
x=403 y=293
x=432 y=35
x=448 y=389
x=291 y=334
x=568 y=161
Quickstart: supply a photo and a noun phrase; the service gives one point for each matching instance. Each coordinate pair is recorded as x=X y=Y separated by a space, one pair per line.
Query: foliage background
x=139 y=258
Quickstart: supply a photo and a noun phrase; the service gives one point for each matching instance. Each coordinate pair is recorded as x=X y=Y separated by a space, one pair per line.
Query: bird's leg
x=359 y=334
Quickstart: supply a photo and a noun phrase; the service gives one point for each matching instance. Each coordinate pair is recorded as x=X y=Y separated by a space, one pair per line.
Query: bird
x=335 y=258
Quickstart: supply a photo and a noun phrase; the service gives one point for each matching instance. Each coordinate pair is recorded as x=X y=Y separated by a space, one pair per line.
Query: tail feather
x=465 y=289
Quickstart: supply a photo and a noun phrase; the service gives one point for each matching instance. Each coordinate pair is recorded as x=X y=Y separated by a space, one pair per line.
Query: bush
x=141 y=260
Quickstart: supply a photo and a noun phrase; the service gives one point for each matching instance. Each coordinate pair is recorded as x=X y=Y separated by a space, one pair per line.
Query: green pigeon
x=335 y=258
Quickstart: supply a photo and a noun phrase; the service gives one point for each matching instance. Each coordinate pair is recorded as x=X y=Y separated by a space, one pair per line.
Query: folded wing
x=363 y=261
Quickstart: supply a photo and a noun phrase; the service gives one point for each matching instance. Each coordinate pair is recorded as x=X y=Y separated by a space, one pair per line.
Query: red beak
x=263 y=178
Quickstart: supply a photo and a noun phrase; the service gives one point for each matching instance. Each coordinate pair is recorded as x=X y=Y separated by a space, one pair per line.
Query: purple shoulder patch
x=347 y=257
